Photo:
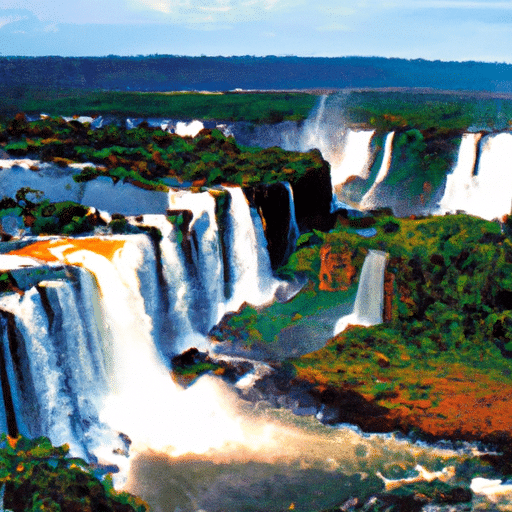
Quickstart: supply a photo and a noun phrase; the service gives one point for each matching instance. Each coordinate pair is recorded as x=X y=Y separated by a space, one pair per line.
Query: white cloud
x=51 y=28
x=5 y=20
x=220 y=11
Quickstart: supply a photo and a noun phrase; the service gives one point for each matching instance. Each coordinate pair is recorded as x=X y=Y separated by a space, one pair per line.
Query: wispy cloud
x=192 y=11
x=53 y=28
x=5 y=20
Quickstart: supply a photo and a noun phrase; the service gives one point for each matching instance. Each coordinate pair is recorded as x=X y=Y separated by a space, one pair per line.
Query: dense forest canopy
x=171 y=73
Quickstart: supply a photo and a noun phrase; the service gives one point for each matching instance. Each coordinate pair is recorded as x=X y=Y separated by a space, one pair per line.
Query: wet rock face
x=313 y=196
x=336 y=270
x=192 y=363
x=272 y=203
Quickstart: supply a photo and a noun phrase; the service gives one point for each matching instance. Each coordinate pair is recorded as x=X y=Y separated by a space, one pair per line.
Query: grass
x=251 y=107
x=443 y=113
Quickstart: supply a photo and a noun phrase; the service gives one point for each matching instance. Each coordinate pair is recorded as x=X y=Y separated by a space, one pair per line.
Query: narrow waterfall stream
x=370 y=294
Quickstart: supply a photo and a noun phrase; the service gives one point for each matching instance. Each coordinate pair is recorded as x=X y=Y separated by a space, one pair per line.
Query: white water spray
x=251 y=277
x=370 y=294
x=354 y=160
x=488 y=192
x=367 y=201
x=191 y=129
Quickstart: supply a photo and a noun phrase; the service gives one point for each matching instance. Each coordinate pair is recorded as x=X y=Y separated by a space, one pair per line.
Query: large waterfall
x=477 y=183
x=370 y=294
x=483 y=186
x=88 y=336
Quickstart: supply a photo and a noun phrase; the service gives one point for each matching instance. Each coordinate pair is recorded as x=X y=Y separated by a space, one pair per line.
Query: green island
x=151 y=158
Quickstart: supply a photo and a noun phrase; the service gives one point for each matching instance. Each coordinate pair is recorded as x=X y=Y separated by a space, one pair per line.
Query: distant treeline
x=176 y=73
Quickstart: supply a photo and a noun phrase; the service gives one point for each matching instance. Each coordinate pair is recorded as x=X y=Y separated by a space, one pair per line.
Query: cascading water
x=355 y=159
x=209 y=268
x=250 y=273
x=125 y=400
x=293 y=228
x=191 y=129
x=370 y=294
x=177 y=331
x=347 y=151
x=460 y=184
x=482 y=187
x=313 y=134
x=65 y=375
x=367 y=201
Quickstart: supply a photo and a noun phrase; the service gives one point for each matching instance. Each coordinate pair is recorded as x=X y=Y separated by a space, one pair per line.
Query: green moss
x=195 y=370
x=39 y=476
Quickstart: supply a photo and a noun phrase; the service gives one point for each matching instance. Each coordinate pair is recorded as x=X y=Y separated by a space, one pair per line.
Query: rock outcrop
x=336 y=270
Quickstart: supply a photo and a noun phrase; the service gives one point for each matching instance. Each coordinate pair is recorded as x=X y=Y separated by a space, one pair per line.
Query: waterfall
x=12 y=399
x=460 y=183
x=89 y=388
x=325 y=130
x=65 y=377
x=231 y=262
x=312 y=136
x=189 y=129
x=487 y=192
x=209 y=268
x=293 y=228
x=370 y=294
x=367 y=200
x=176 y=330
x=354 y=160
x=250 y=273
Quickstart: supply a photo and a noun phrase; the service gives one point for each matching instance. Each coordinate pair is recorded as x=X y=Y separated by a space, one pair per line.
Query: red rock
x=336 y=270
x=389 y=281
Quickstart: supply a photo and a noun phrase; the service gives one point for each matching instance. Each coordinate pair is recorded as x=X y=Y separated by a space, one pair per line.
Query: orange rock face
x=58 y=249
x=389 y=280
x=336 y=269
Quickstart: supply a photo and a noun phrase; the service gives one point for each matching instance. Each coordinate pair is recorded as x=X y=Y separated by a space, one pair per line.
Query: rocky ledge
x=459 y=407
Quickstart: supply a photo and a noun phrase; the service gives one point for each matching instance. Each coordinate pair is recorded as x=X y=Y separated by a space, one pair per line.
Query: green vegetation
x=44 y=217
x=251 y=107
x=442 y=112
x=261 y=327
x=420 y=162
x=151 y=158
x=452 y=307
x=37 y=476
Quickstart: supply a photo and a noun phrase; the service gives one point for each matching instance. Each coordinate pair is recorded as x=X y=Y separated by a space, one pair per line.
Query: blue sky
x=440 y=29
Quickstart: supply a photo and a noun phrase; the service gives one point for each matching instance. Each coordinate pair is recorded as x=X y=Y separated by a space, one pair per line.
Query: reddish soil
x=459 y=407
